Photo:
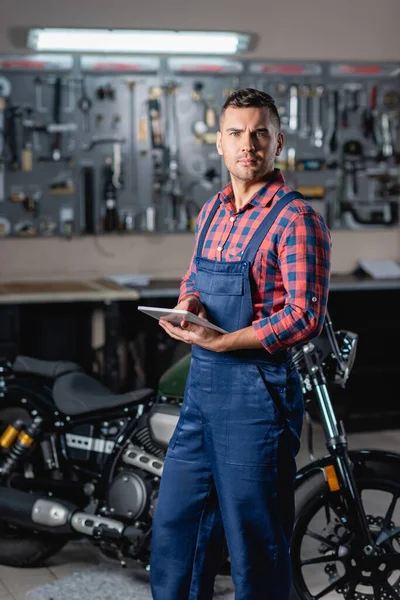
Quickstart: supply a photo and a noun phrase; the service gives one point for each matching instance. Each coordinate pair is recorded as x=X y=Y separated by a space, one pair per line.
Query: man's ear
x=219 y=143
x=281 y=140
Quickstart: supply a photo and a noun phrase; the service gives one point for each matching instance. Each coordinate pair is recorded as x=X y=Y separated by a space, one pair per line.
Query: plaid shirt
x=290 y=274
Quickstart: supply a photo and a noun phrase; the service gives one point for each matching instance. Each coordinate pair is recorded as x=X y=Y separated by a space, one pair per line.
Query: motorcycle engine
x=129 y=494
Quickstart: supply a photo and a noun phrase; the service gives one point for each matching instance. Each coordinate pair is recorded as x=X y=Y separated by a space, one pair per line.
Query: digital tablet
x=176 y=316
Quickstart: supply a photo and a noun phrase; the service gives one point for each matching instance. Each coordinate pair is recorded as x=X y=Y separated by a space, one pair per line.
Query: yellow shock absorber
x=25 y=439
x=9 y=436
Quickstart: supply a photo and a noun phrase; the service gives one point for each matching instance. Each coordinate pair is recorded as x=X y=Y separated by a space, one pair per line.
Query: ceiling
x=287 y=29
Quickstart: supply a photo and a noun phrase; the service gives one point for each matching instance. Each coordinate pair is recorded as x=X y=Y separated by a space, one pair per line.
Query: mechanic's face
x=249 y=141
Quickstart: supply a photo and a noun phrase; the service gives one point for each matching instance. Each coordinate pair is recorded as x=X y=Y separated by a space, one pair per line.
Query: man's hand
x=189 y=332
x=193 y=305
x=194 y=334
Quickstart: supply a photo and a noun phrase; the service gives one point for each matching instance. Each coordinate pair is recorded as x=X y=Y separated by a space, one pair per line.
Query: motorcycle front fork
x=342 y=480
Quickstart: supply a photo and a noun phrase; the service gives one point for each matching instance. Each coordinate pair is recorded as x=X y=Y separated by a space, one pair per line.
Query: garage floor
x=94 y=578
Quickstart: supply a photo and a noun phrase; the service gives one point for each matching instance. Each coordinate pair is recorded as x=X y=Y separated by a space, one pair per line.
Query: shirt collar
x=262 y=197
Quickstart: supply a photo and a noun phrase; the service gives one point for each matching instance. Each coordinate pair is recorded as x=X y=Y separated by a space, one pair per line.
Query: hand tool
x=201 y=128
x=352 y=162
x=318 y=134
x=11 y=114
x=5 y=90
x=117 y=165
x=334 y=117
x=304 y=111
x=28 y=125
x=293 y=108
x=56 y=146
x=132 y=138
x=38 y=83
x=89 y=199
x=387 y=145
x=345 y=108
x=369 y=116
x=84 y=105
x=96 y=140
x=56 y=129
x=177 y=217
x=111 y=221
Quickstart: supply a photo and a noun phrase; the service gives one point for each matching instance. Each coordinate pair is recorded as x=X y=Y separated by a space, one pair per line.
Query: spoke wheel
x=328 y=560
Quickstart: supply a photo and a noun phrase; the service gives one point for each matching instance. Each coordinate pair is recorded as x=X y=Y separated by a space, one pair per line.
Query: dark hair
x=249 y=98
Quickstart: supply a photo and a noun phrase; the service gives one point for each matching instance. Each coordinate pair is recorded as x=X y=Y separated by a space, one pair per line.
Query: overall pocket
x=254 y=423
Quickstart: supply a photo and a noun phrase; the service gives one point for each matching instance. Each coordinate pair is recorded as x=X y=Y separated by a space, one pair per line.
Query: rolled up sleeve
x=304 y=259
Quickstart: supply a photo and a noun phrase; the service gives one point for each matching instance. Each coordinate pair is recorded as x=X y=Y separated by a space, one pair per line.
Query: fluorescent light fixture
x=136 y=41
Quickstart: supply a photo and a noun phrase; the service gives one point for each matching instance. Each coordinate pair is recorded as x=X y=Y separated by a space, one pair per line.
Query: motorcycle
x=77 y=460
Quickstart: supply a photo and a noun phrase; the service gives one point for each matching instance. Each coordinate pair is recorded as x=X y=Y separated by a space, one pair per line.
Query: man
x=260 y=270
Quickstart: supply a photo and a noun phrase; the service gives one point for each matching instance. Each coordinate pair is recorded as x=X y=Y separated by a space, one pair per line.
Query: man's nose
x=248 y=142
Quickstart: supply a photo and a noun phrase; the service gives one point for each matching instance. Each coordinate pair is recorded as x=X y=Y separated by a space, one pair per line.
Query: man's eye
x=260 y=133
x=234 y=133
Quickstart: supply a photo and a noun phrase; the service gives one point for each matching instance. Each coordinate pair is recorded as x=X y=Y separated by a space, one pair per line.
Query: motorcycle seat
x=77 y=394
x=45 y=368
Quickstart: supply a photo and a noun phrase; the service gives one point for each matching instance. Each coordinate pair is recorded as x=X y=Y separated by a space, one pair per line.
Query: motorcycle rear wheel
x=321 y=542
x=20 y=547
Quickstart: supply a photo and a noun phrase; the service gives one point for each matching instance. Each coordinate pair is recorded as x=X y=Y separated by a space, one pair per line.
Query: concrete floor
x=76 y=557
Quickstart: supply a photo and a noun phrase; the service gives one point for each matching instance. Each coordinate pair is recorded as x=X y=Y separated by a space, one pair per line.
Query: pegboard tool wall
x=92 y=145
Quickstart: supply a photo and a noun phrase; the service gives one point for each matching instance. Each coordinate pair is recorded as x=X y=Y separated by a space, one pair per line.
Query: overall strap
x=206 y=226
x=251 y=250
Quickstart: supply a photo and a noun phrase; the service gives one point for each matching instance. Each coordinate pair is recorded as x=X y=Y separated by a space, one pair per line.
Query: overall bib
x=230 y=463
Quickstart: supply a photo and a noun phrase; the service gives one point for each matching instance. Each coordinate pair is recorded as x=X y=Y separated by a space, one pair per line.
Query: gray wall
x=314 y=29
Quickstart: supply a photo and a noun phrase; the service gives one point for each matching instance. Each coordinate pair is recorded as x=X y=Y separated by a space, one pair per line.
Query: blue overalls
x=230 y=463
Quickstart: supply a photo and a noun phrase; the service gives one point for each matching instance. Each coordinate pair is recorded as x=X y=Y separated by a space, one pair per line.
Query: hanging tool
x=111 y=221
x=132 y=140
x=5 y=91
x=56 y=129
x=352 y=162
x=304 y=111
x=205 y=130
x=39 y=106
x=387 y=144
x=11 y=115
x=177 y=218
x=84 y=105
x=318 y=133
x=28 y=125
x=97 y=140
x=89 y=199
x=345 y=108
x=293 y=108
x=117 y=165
x=56 y=145
x=369 y=116
x=334 y=120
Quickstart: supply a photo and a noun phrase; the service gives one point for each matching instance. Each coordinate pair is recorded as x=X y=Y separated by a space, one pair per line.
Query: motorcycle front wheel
x=327 y=561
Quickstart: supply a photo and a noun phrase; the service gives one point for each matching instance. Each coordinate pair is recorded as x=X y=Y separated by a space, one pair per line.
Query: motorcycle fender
x=379 y=463
x=30 y=396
